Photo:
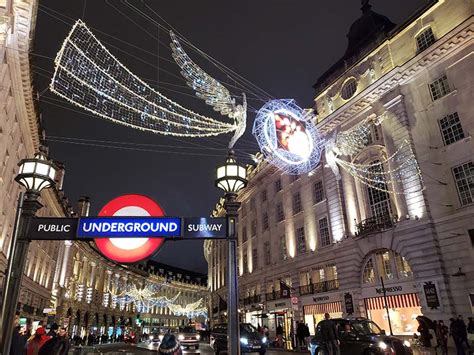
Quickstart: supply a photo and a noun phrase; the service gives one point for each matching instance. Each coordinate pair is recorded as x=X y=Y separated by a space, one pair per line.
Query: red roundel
x=130 y=250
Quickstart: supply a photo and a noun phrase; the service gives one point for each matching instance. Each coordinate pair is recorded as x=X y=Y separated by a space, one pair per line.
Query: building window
x=267 y=253
x=439 y=88
x=403 y=268
x=278 y=185
x=464 y=177
x=244 y=234
x=471 y=236
x=264 y=195
x=293 y=178
x=301 y=240
x=296 y=203
x=318 y=191
x=265 y=221
x=451 y=128
x=368 y=276
x=254 y=259
x=324 y=232
x=280 y=215
x=383 y=258
x=253 y=228
x=425 y=39
x=283 y=252
x=245 y=262
x=349 y=89
x=379 y=199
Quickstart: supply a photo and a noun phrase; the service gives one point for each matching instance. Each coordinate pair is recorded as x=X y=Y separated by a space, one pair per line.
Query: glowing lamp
x=37 y=173
x=231 y=176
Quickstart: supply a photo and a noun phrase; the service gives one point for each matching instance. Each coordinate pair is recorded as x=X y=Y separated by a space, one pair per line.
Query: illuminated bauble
x=287 y=136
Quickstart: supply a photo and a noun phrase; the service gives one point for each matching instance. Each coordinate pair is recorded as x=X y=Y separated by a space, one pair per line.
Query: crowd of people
x=55 y=342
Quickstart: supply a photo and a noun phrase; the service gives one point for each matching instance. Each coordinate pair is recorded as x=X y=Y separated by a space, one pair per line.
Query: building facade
x=70 y=283
x=317 y=243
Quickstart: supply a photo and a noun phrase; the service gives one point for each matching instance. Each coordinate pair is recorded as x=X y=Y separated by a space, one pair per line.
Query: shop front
x=403 y=307
x=279 y=312
x=314 y=308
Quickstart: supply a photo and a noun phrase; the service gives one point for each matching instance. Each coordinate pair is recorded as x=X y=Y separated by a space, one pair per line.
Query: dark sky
x=280 y=45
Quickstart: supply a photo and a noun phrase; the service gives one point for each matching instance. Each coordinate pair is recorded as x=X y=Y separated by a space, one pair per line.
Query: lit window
x=384 y=258
x=349 y=89
x=301 y=240
x=451 y=128
x=318 y=191
x=439 y=88
x=296 y=203
x=379 y=199
x=464 y=177
x=280 y=215
x=369 y=272
x=403 y=268
x=324 y=232
x=425 y=39
x=283 y=252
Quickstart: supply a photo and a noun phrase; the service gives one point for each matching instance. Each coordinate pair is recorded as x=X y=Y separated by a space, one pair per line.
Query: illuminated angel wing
x=89 y=76
x=352 y=141
x=206 y=87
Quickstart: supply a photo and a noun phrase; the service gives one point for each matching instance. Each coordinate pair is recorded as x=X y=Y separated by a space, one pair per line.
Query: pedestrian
x=307 y=334
x=17 y=346
x=470 y=325
x=443 y=337
x=170 y=346
x=329 y=335
x=279 y=336
x=300 y=334
x=35 y=344
x=425 y=336
x=454 y=329
x=53 y=332
x=463 y=333
x=57 y=345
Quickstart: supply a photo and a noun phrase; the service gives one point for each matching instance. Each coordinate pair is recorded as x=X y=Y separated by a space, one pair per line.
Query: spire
x=365 y=6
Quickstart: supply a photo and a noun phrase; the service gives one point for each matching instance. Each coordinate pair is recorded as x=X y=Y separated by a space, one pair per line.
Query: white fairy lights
x=191 y=310
x=89 y=76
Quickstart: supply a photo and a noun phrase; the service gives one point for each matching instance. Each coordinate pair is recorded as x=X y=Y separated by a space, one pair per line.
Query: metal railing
x=375 y=224
x=252 y=299
x=319 y=287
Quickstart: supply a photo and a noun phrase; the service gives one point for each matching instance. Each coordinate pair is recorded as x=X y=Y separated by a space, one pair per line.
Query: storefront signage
x=431 y=295
x=281 y=304
x=348 y=303
x=391 y=289
x=52 y=229
x=320 y=299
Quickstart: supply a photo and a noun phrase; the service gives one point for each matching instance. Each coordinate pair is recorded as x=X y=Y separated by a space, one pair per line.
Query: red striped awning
x=393 y=301
x=331 y=307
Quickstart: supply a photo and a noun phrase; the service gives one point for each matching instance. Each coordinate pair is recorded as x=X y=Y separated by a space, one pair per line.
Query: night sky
x=282 y=46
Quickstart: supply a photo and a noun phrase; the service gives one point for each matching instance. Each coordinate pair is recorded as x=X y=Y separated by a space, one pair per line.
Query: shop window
x=280 y=216
x=297 y=203
x=379 y=199
x=265 y=221
x=464 y=178
x=283 y=251
x=318 y=191
x=451 y=128
x=267 y=253
x=301 y=240
x=368 y=275
x=324 y=232
x=439 y=88
x=425 y=39
x=403 y=268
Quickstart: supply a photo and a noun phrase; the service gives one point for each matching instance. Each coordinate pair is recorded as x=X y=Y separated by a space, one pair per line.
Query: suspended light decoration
x=191 y=310
x=287 y=136
x=89 y=76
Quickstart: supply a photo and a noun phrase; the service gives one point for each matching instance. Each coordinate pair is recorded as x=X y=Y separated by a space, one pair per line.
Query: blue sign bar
x=128 y=227
x=205 y=228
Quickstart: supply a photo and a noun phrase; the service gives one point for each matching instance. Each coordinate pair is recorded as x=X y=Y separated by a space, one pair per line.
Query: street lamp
x=35 y=175
x=232 y=177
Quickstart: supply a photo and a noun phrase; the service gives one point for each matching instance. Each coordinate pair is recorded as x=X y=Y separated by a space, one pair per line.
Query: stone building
x=314 y=244
x=70 y=283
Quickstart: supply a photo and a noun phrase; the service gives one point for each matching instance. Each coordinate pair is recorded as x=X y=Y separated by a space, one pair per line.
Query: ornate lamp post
x=35 y=175
x=232 y=177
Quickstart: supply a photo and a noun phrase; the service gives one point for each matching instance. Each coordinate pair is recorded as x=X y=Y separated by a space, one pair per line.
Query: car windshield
x=247 y=327
x=188 y=330
x=367 y=328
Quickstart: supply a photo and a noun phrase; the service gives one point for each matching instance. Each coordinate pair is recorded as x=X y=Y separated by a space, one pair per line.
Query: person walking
x=53 y=332
x=455 y=331
x=18 y=341
x=35 y=344
x=443 y=334
x=463 y=333
x=170 y=346
x=329 y=335
x=307 y=335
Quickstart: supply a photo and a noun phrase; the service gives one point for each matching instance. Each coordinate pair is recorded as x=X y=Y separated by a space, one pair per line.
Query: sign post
x=386 y=304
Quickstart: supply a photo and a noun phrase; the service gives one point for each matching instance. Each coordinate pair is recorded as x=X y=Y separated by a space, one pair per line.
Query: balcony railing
x=252 y=299
x=376 y=224
x=319 y=287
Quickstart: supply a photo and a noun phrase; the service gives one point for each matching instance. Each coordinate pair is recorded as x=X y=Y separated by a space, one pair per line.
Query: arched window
x=425 y=39
x=348 y=89
x=387 y=264
x=369 y=272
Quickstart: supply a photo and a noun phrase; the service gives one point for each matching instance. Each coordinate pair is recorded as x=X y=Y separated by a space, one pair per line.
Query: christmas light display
x=191 y=310
x=287 y=136
x=210 y=90
x=89 y=76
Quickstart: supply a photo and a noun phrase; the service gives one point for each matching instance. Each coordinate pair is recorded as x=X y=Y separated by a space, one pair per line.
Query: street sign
x=52 y=229
x=134 y=249
x=128 y=227
x=205 y=228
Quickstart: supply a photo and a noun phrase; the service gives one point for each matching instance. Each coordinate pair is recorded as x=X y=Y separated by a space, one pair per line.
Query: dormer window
x=349 y=89
x=425 y=39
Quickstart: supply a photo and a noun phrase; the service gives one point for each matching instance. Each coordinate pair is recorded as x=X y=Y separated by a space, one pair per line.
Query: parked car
x=250 y=340
x=188 y=336
x=360 y=336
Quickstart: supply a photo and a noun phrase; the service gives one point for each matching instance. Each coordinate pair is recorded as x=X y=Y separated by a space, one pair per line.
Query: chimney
x=59 y=175
x=83 y=206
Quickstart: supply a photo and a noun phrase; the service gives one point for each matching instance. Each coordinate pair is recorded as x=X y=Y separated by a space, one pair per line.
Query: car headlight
x=181 y=337
x=407 y=343
x=198 y=337
x=244 y=341
x=382 y=345
x=264 y=340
